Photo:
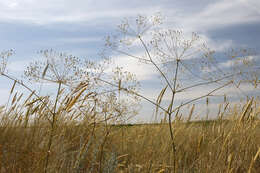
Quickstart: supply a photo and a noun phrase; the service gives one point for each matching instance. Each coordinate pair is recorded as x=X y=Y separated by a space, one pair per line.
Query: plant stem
x=170 y=114
x=52 y=129
x=155 y=65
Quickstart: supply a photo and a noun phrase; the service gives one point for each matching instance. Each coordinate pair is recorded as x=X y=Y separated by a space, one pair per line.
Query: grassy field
x=205 y=146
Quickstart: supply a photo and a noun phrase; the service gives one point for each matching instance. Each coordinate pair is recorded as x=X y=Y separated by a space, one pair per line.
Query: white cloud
x=141 y=70
x=222 y=13
x=52 y=11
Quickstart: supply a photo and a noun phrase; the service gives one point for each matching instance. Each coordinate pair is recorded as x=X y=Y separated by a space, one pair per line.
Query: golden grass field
x=223 y=145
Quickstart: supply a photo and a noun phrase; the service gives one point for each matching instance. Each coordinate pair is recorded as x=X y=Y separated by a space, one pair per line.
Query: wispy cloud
x=56 y=11
x=222 y=14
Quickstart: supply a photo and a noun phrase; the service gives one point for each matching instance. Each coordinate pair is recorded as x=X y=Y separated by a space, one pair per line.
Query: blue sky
x=79 y=27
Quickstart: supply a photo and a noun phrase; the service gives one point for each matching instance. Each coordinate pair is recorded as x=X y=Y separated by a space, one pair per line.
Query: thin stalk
x=204 y=83
x=170 y=114
x=136 y=57
x=156 y=66
x=198 y=98
x=52 y=129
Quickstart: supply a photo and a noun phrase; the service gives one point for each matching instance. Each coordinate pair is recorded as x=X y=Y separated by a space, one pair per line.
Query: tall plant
x=183 y=62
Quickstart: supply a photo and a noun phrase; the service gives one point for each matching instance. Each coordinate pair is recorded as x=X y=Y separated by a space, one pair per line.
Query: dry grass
x=85 y=146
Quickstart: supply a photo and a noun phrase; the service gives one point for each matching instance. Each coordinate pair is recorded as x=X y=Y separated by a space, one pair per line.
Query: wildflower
x=57 y=68
x=3 y=60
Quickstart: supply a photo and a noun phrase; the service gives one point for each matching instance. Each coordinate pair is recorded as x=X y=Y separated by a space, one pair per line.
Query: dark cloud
x=243 y=35
x=27 y=39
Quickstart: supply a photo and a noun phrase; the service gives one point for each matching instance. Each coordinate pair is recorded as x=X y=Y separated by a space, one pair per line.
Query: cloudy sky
x=79 y=27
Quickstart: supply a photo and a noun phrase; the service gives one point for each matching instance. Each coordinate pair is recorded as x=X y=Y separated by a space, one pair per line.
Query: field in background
x=224 y=145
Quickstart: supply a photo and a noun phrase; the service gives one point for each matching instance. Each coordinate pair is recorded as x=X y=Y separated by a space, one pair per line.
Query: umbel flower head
x=130 y=30
x=57 y=68
x=3 y=59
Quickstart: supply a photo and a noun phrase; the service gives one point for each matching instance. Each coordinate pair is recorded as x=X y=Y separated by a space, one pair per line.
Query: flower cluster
x=4 y=58
x=57 y=68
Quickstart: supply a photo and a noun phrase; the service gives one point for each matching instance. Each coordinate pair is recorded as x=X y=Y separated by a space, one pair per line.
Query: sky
x=79 y=27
